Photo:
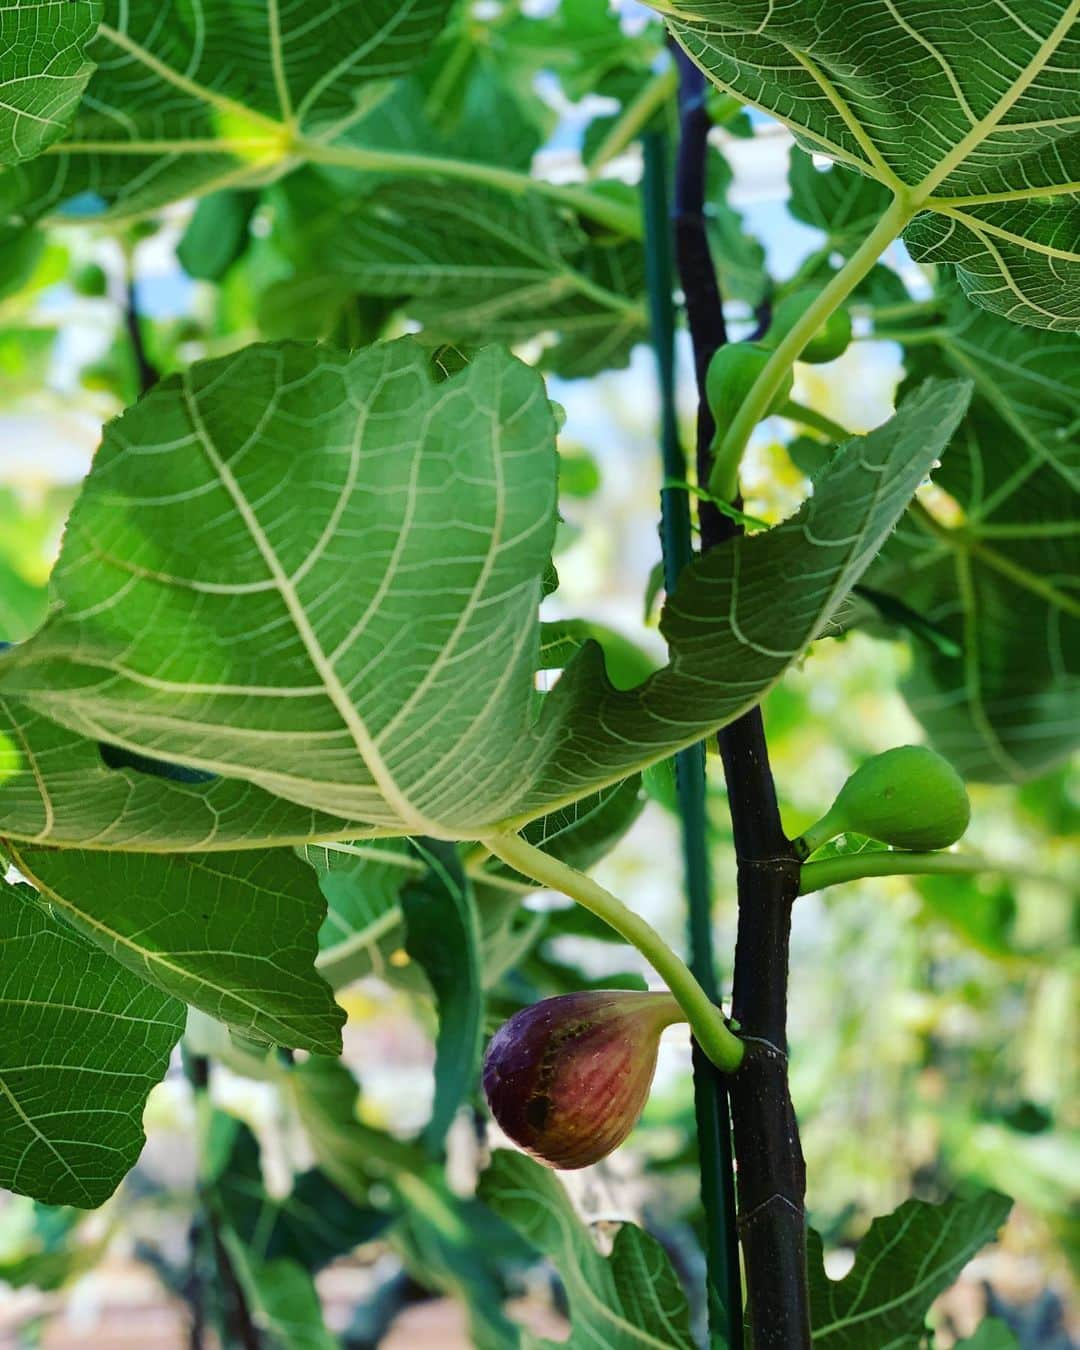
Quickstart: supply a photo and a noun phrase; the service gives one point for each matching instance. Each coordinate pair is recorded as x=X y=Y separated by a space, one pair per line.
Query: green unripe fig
x=909 y=798
x=100 y=376
x=732 y=373
x=90 y=280
x=189 y=330
x=831 y=339
x=142 y=229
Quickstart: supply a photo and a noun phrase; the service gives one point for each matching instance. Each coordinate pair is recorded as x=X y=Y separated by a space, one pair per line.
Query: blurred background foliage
x=932 y=1020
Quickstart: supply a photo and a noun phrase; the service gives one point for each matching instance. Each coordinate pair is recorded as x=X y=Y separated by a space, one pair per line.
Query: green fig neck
x=832 y=823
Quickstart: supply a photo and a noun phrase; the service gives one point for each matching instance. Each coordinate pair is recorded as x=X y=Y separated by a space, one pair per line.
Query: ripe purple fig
x=568 y=1077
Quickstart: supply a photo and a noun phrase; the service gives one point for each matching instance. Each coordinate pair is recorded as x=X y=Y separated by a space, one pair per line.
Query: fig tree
x=567 y=1078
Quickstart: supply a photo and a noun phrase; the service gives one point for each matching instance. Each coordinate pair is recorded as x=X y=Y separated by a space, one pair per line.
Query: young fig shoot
x=908 y=797
x=568 y=1077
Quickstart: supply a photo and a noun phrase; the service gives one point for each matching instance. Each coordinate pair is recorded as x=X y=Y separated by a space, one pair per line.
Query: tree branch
x=715 y=1165
x=771 y=1171
x=241 y=1328
x=146 y=372
x=844 y=867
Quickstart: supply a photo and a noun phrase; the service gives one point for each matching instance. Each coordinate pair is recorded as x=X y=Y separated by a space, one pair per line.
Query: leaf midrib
x=229 y=994
x=365 y=743
x=881 y=1309
x=289 y=148
x=874 y=166
x=961 y=541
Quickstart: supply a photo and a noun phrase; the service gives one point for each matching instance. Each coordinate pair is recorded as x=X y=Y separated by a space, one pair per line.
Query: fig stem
x=815 y=876
x=595 y=206
x=706 y=1020
x=828 y=827
x=815 y=421
x=638 y=113
x=724 y=481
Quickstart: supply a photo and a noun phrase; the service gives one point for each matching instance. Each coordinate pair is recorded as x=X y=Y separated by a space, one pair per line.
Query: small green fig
x=90 y=280
x=909 y=797
x=831 y=339
x=732 y=373
x=143 y=229
x=101 y=375
x=567 y=1078
x=189 y=329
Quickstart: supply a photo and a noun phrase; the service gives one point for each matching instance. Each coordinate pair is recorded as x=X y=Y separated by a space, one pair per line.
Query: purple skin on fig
x=568 y=1077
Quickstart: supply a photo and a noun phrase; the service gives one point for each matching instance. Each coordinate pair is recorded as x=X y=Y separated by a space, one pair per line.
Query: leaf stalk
x=724 y=480
x=816 y=876
x=595 y=206
x=706 y=1020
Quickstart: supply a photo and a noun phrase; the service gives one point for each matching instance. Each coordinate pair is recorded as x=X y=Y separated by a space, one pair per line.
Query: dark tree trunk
x=771 y=1174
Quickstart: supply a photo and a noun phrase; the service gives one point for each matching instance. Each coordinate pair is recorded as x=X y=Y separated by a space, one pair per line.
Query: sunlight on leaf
x=966 y=108
x=82 y=1042
x=43 y=71
x=399 y=564
x=233 y=934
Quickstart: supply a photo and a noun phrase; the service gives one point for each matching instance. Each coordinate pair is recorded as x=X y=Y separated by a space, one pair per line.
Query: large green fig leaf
x=56 y=789
x=626 y=1301
x=967 y=109
x=43 y=71
x=363 y=880
x=474 y=264
x=1001 y=578
x=186 y=99
x=355 y=627
x=905 y=1260
x=360 y=618
x=443 y=936
x=82 y=1042
x=233 y=934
